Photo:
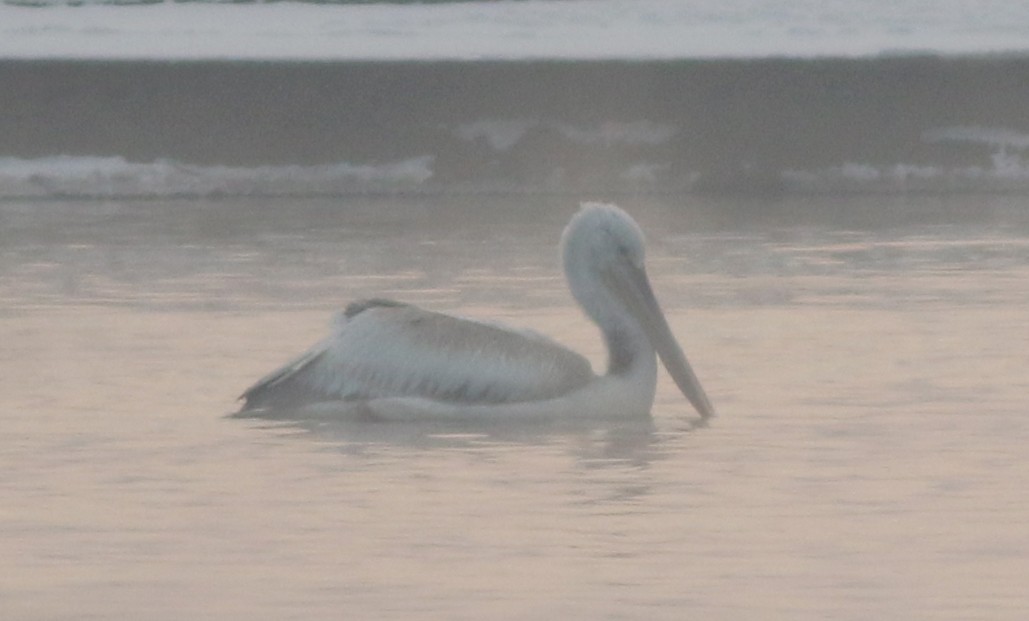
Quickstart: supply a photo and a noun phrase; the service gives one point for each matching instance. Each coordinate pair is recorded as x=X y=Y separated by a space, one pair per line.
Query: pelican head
x=603 y=253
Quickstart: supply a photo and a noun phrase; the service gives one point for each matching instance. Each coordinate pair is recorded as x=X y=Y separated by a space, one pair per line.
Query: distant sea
x=113 y=99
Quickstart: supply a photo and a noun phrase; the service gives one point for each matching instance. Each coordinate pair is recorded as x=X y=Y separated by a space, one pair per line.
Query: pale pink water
x=869 y=460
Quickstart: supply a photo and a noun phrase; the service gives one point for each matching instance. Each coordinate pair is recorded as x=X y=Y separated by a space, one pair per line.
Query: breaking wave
x=134 y=129
x=115 y=177
x=110 y=177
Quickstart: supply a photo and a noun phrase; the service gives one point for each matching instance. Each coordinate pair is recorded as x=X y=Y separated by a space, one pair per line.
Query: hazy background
x=834 y=196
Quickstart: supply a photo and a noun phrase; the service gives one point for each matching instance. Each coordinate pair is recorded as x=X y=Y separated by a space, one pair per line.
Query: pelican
x=394 y=361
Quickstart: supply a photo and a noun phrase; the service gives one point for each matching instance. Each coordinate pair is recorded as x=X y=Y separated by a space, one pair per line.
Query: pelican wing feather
x=382 y=349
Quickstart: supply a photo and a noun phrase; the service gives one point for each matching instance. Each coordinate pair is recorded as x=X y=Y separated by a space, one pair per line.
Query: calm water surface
x=868 y=358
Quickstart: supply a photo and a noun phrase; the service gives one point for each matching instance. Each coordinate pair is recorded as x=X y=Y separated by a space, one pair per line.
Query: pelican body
x=394 y=361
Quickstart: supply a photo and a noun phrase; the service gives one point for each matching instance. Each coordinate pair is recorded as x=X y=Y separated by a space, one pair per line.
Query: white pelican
x=389 y=360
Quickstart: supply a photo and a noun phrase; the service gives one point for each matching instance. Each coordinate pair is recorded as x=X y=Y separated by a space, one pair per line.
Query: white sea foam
x=1003 y=168
x=530 y=29
x=1007 y=169
x=993 y=136
x=1008 y=145
x=116 y=177
x=855 y=177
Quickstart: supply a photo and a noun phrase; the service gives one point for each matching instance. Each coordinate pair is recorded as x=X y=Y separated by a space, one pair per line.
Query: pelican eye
x=629 y=254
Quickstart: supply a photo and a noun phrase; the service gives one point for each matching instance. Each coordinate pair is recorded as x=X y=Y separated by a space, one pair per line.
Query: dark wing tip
x=279 y=386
